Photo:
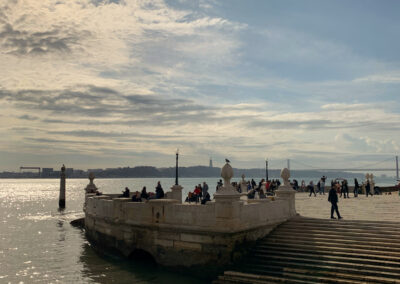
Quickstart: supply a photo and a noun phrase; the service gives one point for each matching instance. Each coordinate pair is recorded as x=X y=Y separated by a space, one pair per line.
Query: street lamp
x=176 y=173
x=266 y=168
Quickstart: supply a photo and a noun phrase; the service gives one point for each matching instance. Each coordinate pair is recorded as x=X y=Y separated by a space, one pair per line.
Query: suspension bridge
x=372 y=167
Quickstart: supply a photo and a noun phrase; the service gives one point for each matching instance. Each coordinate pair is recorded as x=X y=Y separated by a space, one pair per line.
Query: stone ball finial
x=91 y=176
x=227 y=174
x=91 y=187
x=285 y=175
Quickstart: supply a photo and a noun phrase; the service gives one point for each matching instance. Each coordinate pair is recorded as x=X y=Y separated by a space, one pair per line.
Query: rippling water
x=37 y=243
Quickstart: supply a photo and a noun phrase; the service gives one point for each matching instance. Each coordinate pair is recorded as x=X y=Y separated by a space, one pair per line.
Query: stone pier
x=186 y=235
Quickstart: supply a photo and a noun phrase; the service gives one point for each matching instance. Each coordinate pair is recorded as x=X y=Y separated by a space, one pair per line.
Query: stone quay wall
x=188 y=235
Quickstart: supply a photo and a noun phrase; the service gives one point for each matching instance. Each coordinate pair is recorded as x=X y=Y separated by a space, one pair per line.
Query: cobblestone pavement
x=375 y=208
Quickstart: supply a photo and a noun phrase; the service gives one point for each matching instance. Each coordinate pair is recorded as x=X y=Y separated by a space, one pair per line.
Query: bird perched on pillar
x=226 y=160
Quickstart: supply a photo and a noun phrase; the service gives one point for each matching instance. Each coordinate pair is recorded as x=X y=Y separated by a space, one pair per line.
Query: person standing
x=253 y=184
x=368 y=189
x=333 y=199
x=346 y=188
x=303 y=186
x=205 y=189
x=322 y=186
x=356 y=186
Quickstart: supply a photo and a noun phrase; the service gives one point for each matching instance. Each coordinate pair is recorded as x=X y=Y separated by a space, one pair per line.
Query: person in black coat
x=356 y=187
x=368 y=188
x=144 y=194
x=333 y=199
x=159 y=191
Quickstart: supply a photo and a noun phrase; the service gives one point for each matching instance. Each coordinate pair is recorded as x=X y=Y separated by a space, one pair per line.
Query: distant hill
x=189 y=172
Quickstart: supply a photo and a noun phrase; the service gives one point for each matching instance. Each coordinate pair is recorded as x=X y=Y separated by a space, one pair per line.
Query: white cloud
x=108 y=78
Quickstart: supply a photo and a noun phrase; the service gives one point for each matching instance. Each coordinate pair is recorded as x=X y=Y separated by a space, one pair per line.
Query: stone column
x=61 y=200
x=227 y=202
x=176 y=192
x=286 y=192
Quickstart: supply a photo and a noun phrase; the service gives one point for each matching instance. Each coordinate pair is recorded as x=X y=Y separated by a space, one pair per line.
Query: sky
x=108 y=83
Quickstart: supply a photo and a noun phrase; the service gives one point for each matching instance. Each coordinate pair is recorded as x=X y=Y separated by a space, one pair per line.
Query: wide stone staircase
x=308 y=250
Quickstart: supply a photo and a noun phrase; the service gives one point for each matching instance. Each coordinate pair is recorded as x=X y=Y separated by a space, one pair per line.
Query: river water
x=38 y=244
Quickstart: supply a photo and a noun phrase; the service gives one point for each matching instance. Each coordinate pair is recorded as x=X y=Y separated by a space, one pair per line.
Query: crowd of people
x=340 y=185
x=259 y=190
x=143 y=195
x=199 y=194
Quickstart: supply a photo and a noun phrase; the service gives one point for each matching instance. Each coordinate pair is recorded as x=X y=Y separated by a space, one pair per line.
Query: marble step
x=284 y=277
x=333 y=250
x=319 y=276
x=342 y=227
x=337 y=235
x=322 y=257
x=378 y=224
x=239 y=277
x=338 y=239
x=333 y=266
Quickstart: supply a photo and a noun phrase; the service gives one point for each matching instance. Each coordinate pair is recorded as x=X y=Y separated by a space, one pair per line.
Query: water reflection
x=101 y=268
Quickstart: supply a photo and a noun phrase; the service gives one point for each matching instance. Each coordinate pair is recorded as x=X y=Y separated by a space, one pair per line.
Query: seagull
x=226 y=160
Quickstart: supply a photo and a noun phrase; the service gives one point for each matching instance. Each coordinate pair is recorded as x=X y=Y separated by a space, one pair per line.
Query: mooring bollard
x=61 y=201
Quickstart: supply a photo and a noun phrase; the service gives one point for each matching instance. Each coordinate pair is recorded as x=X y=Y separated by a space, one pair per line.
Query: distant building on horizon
x=47 y=172
x=94 y=170
x=211 y=164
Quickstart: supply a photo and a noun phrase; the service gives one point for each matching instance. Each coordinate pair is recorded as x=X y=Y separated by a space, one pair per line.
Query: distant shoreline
x=183 y=172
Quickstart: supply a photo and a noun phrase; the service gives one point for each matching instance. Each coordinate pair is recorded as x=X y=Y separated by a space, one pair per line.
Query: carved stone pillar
x=286 y=192
x=227 y=201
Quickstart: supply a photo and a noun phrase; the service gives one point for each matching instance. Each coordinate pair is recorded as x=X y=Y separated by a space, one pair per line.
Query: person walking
x=311 y=188
x=333 y=199
x=344 y=191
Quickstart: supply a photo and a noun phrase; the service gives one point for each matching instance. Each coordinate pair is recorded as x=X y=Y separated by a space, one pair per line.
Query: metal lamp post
x=176 y=170
x=266 y=169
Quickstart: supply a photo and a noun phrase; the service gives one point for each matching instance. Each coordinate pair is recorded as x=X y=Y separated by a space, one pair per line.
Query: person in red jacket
x=197 y=192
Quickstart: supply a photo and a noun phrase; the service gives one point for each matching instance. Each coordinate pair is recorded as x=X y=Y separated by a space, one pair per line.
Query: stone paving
x=375 y=208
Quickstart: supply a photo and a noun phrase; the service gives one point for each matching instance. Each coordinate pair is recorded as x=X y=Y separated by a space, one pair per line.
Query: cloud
x=342 y=106
x=294 y=124
x=21 y=42
x=94 y=77
x=28 y=117
x=104 y=103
